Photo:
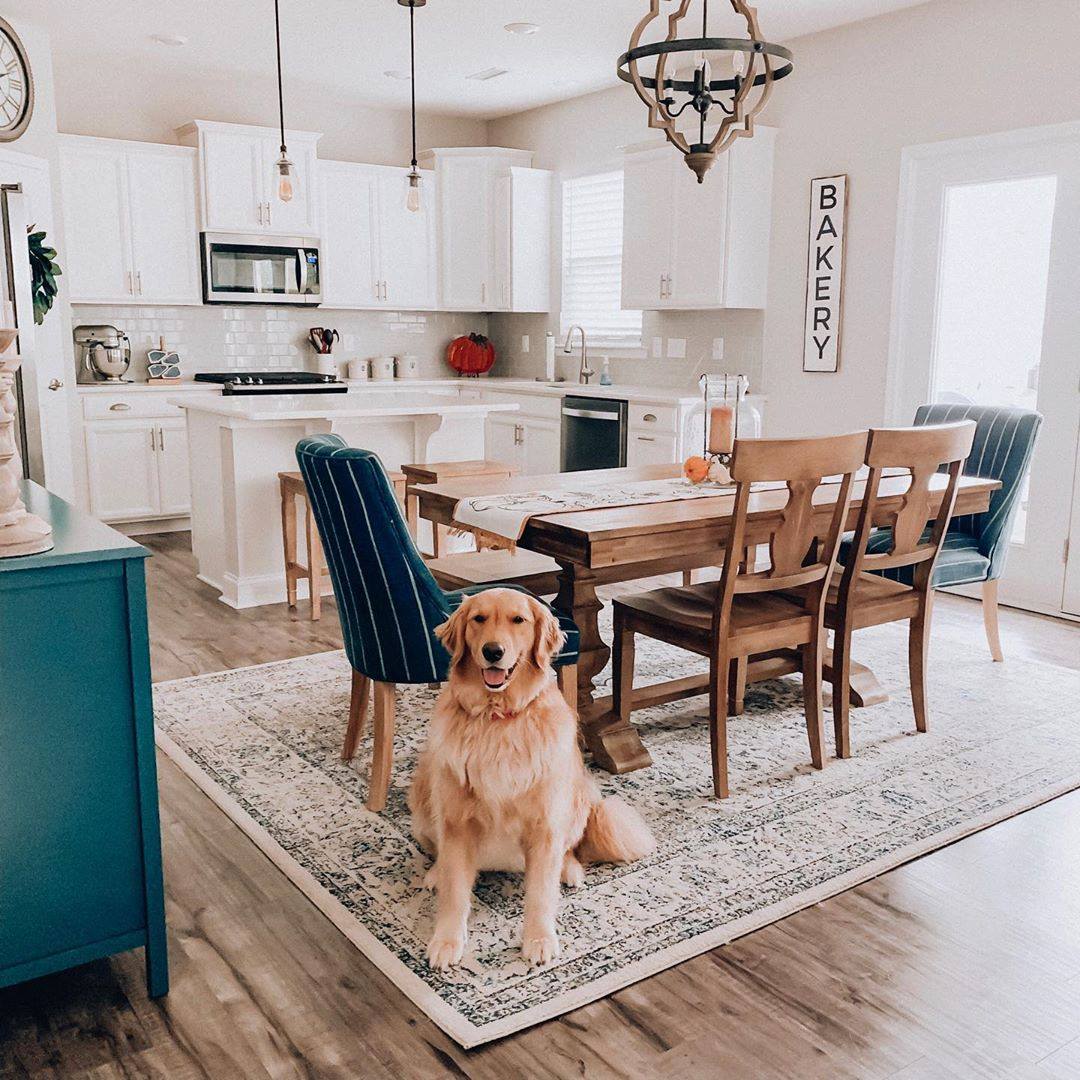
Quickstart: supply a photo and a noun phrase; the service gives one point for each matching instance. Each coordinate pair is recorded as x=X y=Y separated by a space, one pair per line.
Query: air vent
x=486 y=74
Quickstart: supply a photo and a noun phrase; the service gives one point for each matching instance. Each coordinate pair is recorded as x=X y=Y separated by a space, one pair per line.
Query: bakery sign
x=825 y=273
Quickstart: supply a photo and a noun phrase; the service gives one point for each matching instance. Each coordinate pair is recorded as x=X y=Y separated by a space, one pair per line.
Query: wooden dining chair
x=748 y=611
x=866 y=594
x=387 y=600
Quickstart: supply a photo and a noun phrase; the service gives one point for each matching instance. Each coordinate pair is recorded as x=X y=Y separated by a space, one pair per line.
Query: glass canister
x=724 y=398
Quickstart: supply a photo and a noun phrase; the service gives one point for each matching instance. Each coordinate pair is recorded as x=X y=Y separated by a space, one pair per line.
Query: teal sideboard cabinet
x=80 y=843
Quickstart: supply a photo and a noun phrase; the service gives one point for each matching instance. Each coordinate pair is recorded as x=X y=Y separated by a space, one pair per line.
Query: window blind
x=592 y=261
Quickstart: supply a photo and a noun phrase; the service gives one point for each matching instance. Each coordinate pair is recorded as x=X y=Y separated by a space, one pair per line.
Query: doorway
x=985 y=312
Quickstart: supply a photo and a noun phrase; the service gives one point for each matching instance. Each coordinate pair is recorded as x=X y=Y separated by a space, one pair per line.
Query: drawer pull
x=649 y=418
x=120 y=406
x=646 y=438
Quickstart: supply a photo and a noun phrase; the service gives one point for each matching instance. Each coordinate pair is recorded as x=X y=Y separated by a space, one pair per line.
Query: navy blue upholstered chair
x=977 y=545
x=387 y=600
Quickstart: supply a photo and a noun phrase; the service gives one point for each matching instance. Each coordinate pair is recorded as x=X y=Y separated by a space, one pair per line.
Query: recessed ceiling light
x=403 y=76
x=521 y=28
x=487 y=73
x=169 y=39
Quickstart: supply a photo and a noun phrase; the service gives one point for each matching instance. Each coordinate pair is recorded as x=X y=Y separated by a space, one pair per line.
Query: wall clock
x=16 y=85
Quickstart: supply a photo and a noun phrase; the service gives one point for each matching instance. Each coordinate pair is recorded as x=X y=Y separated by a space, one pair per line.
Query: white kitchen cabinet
x=237 y=180
x=121 y=461
x=503 y=438
x=522 y=234
x=532 y=444
x=694 y=246
x=649 y=448
x=174 y=477
x=136 y=457
x=376 y=253
x=489 y=217
x=129 y=222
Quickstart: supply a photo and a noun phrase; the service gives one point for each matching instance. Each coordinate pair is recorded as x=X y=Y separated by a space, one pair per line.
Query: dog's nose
x=493 y=652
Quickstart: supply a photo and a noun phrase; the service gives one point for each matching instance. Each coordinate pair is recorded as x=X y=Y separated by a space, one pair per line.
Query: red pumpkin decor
x=472 y=355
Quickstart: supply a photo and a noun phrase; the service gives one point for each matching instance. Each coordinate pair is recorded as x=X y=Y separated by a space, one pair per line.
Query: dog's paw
x=573 y=873
x=445 y=951
x=431 y=879
x=540 y=950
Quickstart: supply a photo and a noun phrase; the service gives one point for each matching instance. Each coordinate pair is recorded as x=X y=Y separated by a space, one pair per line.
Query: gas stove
x=234 y=383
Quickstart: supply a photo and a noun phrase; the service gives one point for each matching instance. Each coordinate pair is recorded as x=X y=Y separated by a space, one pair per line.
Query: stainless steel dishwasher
x=593 y=434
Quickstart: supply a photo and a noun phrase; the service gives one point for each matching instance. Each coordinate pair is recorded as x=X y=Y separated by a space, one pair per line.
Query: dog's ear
x=548 y=635
x=452 y=634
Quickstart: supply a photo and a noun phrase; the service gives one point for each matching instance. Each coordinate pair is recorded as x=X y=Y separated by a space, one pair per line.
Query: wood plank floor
x=965 y=963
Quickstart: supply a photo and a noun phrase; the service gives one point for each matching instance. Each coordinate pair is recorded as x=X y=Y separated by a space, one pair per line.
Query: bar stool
x=314 y=572
x=435 y=473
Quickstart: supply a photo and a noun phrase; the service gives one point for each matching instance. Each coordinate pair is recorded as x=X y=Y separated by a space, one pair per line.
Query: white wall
x=860 y=94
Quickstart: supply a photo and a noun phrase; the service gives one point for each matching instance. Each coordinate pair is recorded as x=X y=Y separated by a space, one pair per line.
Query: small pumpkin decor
x=44 y=271
x=471 y=355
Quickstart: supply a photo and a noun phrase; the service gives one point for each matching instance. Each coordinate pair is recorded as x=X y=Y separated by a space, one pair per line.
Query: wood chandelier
x=756 y=65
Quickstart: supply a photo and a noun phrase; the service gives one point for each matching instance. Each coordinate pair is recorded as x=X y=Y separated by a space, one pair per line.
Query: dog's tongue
x=494 y=677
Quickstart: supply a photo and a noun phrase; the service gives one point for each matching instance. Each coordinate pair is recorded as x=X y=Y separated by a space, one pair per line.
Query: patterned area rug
x=263 y=743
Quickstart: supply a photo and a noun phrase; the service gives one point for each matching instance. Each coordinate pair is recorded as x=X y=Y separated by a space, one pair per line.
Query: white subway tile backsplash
x=210 y=337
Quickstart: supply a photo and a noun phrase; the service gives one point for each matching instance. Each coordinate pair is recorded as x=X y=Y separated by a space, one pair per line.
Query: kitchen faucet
x=586 y=373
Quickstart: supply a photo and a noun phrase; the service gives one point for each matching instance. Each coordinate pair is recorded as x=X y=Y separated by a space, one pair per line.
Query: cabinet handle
x=385 y=290
x=120 y=406
x=130 y=283
x=483 y=292
x=260 y=212
x=138 y=282
x=646 y=438
x=161 y=438
x=269 y=220
x=153 y=444
x=649 y=418
x=56 y=384
x=378 y=290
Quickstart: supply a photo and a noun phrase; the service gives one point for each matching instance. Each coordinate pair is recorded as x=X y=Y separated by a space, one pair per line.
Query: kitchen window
x=592 y=261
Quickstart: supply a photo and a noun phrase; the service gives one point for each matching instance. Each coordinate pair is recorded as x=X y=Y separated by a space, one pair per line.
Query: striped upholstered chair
x=387 y=600
x=977 y=545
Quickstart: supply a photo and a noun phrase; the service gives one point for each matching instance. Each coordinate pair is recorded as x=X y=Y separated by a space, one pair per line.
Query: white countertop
x=335 y=406
x=498 y=384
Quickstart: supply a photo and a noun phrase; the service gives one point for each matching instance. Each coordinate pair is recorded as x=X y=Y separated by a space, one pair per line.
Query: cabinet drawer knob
x=120 y=406
x=649 y=418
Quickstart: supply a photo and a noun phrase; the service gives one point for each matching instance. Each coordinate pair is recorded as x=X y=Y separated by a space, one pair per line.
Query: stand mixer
x=102 y=353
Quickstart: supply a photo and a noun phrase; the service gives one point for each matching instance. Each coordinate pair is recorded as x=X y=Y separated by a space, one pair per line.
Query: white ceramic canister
x=359 y=369
x=382 y=367
x=408 y=366
x=325 y=364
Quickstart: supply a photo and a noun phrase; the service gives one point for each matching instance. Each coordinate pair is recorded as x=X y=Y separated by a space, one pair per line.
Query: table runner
x=507 y=514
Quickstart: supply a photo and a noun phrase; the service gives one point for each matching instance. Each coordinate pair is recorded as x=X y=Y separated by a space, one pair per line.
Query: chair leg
x=739 y=665
x=567 y=678
x=622 y=669
x=688 y=577
x=288 y=540
x=990 y=619
x=811 y=673
x=841 y=690
x=314 y=562
x=918 y=648
x=382 y=760
x=358 y=703
x=719 y=674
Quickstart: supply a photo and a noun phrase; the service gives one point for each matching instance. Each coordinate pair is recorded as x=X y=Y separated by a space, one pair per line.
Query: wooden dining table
x=624 y=543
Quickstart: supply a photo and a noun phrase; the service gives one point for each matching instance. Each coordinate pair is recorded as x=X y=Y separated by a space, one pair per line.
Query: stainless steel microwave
x=242 y=269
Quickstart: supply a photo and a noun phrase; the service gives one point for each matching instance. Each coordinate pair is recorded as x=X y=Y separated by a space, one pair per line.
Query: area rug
x=263 y=743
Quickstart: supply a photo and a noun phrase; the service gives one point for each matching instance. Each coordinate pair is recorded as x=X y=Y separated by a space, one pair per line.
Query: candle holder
x=722 y=397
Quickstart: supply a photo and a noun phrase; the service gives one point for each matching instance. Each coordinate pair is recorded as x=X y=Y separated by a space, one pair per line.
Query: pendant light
x=701 y=82
x=412 y=198
x=285 y=180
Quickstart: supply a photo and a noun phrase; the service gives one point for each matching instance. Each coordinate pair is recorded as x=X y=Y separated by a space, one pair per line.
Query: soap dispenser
x=605 y=372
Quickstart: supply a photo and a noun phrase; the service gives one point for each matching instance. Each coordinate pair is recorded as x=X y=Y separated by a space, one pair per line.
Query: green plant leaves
x=44 y=272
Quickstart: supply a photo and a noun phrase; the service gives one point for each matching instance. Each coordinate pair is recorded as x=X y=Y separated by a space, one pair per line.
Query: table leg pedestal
x=615 y=746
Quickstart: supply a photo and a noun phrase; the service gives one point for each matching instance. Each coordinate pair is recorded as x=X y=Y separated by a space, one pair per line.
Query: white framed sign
x=825 y=273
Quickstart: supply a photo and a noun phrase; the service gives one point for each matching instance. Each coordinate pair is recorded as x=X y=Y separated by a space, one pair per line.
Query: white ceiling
x=346 y=45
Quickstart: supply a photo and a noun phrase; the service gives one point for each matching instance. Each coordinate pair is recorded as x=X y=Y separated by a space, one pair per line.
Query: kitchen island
x=238 y=445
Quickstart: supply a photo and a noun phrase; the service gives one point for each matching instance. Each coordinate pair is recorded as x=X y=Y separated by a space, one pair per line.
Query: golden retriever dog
x=501 y=784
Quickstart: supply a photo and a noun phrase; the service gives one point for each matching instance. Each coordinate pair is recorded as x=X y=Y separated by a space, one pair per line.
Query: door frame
x=898 y=380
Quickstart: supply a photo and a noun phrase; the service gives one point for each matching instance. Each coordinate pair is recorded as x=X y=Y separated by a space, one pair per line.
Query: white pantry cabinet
x=375 y=252
x=129 y=221
x=690 y=246
x=494 y=229
x=136 y=457
x=236 y=171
